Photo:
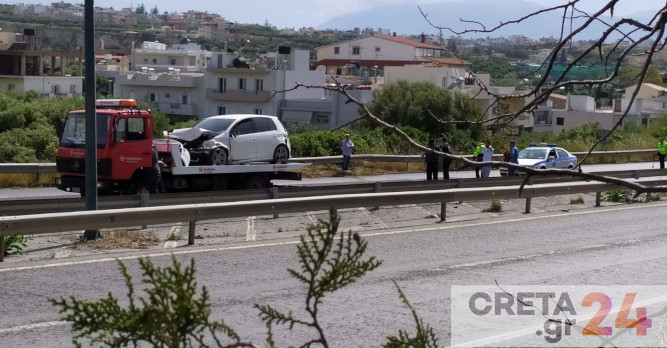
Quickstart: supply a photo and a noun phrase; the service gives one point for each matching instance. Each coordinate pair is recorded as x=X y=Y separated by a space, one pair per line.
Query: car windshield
x=74 y=134
x=217 y=125
x=533 y=153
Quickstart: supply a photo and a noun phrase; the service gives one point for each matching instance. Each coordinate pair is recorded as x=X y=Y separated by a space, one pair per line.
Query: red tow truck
x=124 y=154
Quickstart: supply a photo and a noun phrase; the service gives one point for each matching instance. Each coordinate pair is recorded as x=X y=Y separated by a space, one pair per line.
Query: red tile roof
x=408 y=41
x=367 y=63
x=446 y=61
x=558 y=96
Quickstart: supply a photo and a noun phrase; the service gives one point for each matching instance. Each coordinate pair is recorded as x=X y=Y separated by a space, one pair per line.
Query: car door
x=552 y=159
x=563 y=159
x=266 y=140
x=242 y=142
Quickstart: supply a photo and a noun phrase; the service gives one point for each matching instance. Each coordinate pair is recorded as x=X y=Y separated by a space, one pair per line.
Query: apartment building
x=234 y=86
x=161 y=58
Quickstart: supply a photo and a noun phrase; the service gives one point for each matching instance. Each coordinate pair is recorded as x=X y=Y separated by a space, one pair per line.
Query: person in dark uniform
x=431 y=160
x=152 y=174
x=446 y=148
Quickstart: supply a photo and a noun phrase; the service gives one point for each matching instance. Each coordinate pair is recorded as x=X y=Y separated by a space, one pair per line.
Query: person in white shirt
x=488 y=156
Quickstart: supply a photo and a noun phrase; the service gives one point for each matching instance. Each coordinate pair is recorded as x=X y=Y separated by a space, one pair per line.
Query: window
x=145 y=60
x=55 y=89
x=261 y=124
x=152 y=97
x=130 y=129
x=184 y=99
x=259 y=85
x=72 y=89
x=356 y=50
x=242 y=84
x=377 y=48
x=339 y=71
x=320 y=118
x=167 y=95
x=336 y=50
x=444 y=82
x=11 y=87
x=154 y=60
x=222 y=110
x=222 y=85
x=561 y=153
x=469 y=81
x=560 y=121
x=173 y=61
x=257 y=111
x=243 y=127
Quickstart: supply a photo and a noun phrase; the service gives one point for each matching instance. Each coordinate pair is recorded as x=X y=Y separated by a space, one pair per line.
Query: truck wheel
x=255 y=182
x=280 y=154
x=218 y=156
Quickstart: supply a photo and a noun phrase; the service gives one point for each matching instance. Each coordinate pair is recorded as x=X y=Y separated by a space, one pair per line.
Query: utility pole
x=90 y=186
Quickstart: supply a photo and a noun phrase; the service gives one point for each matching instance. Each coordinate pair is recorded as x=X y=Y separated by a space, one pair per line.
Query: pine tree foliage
x=425 y=336
x=329 y=261
x=173 y=314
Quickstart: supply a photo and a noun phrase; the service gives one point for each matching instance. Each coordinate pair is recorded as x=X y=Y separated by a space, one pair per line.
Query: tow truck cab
x=124 y=141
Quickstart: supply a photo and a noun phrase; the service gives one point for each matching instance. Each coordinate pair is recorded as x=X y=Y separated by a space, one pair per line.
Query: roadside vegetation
x=175 y=312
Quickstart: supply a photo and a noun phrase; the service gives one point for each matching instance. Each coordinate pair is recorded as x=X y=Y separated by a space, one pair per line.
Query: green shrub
x=15 y=244
x=618 y=195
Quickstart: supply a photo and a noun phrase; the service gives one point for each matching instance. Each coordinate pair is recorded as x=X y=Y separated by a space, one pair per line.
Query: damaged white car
x=235 y=139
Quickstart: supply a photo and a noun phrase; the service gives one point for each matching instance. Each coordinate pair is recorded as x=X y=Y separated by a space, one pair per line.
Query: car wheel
x=571 y=166
x=280 y=154
x=218 y=157
x=543 y=167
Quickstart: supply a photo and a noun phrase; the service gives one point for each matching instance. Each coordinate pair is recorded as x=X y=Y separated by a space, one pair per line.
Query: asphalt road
x=622 y=244
x=54 y=192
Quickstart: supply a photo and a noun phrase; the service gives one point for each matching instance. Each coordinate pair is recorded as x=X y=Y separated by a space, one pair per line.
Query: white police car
x=543 y=156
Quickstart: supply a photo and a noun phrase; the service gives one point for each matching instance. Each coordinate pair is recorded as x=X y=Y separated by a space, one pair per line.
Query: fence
x=114 y=218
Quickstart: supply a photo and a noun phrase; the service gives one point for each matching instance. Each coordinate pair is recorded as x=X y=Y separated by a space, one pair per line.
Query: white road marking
x=430 y=213
x=34 y=326
x=370 y=234
x=311 y=216
x=370 y=215
x=251 y=235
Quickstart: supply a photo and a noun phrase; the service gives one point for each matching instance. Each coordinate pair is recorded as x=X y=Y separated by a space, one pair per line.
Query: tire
x=280 y=154
x=543 y=167
x=571 y=166
x=255 y=182
x=218 y=157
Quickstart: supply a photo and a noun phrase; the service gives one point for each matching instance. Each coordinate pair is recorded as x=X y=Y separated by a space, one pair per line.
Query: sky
x=300 y=13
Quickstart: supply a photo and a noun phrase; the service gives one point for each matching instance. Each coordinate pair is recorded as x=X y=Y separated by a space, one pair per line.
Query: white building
x=157 y=56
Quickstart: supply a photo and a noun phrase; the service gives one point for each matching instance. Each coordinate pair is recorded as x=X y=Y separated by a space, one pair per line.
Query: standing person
x=514 y=156
x=446 y=148
x=347 y=152
x=431 y=159
x=477 y=156
x=487 y=157
x=152 y=175
x=662 y=151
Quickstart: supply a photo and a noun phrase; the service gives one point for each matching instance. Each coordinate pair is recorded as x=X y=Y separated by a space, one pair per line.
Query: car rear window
x=262 y=124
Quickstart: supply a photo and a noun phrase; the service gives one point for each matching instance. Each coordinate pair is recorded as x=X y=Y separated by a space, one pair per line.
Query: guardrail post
x=635 y=174
x=191 y=232
x=598 y=198
x=37 y=177
x=443 y=211
x=377 y=188
x=528 y=199
x=2 y=248
x=274 y=195
x=144 y=202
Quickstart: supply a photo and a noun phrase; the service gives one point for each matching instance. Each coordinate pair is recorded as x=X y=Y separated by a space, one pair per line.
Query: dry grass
x=495 y=207
x=578 y=200
x=362 y=168
x=27 y=180
x=121 y=239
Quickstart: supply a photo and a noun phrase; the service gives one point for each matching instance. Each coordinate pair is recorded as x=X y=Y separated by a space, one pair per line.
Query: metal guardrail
x=115 y=218
x=58 y=204
x=37 y=168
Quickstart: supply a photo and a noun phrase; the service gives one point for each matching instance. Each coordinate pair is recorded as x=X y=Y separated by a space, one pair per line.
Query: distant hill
x=406 y=19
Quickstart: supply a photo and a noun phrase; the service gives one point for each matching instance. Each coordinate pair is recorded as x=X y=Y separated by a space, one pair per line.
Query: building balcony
x=165 y=67
x=178 y=109
x=238 y=95
x=237 y=71
x=159 y=79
